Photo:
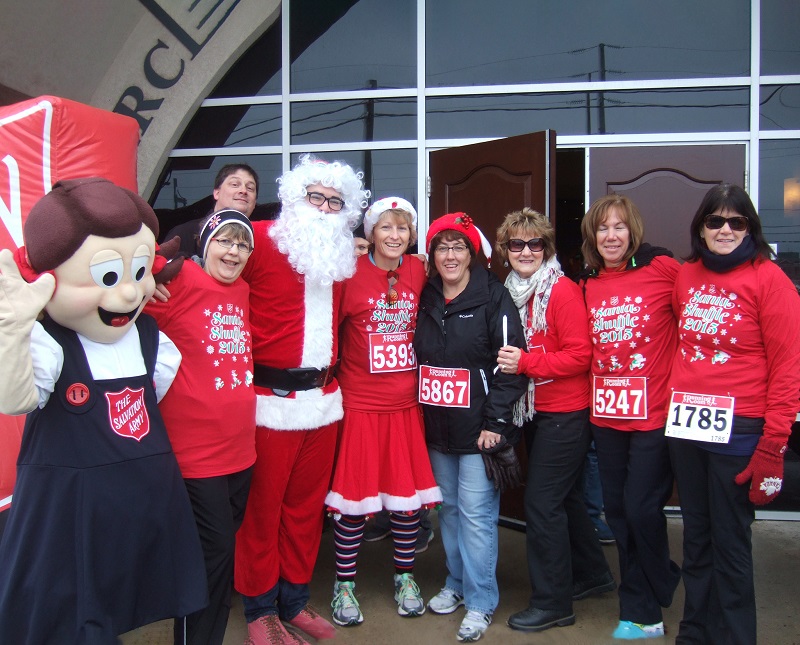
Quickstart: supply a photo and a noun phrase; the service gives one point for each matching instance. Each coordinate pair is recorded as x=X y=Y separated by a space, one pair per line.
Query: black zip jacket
x=468 y=333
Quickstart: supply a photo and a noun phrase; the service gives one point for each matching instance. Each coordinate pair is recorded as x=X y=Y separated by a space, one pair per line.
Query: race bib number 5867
x=444 y=386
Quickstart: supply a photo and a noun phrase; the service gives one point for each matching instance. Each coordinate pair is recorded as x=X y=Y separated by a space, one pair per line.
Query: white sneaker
x=473 y=626
x=445 y=602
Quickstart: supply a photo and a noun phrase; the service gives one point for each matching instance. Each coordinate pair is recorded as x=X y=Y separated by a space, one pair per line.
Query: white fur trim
x=371 y=505
x=304 y=410
x=318 y=322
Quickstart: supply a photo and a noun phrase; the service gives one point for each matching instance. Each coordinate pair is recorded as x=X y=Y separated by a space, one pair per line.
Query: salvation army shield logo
x=127 y=413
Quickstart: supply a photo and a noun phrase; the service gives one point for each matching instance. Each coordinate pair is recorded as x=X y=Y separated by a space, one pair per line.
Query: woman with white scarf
x=565 y=560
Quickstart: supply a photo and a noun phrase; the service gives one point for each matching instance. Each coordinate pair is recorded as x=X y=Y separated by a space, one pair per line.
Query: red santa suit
x=292 y=322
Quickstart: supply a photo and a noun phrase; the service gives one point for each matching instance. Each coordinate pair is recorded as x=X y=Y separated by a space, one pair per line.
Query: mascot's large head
x=99 y=240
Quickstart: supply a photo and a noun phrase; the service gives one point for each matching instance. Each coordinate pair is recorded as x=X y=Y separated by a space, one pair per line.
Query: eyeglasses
x=443 y=249
x=714 y=222
x=534 y=244
x=226 y=244
x=391 y=293
x=318 y=199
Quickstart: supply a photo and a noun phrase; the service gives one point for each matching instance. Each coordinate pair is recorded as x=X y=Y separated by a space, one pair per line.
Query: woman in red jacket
x=629 y=300
x=565 y=560
x=734 y=386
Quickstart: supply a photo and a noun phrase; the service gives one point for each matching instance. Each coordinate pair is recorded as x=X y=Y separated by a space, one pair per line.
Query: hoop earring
x=505 y=264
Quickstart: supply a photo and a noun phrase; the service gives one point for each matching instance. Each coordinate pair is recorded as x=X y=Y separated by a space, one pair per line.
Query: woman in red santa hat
x=466 y=315
x=382 y=460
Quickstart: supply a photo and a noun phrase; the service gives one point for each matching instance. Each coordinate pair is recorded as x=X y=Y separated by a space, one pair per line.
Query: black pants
x=720 y=606
x=636 y=476
x=562 y=545
x=218 y=504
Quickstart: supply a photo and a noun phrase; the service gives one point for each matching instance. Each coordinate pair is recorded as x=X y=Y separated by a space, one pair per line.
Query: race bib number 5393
x=444 y=386
x=700 y=417
x=392 y=352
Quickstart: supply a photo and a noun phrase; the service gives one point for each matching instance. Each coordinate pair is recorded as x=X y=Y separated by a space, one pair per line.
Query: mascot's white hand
x=21 y=302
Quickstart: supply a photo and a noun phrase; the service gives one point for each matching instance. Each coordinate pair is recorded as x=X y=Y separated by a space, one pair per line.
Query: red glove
x=765 y=469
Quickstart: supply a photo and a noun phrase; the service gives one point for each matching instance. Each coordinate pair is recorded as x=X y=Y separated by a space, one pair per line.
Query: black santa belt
x=291 y=379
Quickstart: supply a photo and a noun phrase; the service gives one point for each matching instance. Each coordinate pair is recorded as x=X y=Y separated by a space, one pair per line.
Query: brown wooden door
x=487 y=181
x=666 y=183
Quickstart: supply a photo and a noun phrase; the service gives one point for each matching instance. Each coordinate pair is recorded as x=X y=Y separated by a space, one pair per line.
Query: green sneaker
x=408 y=596
x=346 y=611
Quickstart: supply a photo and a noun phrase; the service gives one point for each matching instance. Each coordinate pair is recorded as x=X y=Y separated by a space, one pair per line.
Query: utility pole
x=369 y=134
x=601 y=103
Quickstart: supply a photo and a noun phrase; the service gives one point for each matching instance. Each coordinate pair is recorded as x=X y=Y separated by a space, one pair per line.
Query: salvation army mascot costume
x=100 y=538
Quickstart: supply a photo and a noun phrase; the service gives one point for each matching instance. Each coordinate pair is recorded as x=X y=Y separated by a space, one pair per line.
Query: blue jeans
x=285 y=599
x=468 y=523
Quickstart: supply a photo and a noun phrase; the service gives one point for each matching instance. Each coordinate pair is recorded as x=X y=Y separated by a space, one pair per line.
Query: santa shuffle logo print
x=128 y=413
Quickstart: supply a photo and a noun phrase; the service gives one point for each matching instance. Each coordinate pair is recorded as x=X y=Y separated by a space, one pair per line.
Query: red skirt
x=382 y=462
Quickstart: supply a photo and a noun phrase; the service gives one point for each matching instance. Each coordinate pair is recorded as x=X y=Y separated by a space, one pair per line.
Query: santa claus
x=295 y=274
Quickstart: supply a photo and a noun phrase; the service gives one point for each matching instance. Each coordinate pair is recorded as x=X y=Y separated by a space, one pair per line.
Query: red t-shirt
x=634 y=336
x=558 y=360
x=378 y=369
x=739 y=336
x=210 y=409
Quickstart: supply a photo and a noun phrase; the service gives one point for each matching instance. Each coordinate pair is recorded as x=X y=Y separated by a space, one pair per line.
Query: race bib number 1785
x=700 y=417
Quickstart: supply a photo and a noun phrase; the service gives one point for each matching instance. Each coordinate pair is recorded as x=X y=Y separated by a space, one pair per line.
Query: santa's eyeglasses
x=318 y=199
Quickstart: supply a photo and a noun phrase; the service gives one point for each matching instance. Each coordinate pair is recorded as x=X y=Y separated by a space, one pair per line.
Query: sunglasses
x=391 y=292
x=714 y=222
x=535 y=244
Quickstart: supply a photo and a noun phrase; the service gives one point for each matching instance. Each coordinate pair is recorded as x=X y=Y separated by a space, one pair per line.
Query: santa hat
x=375 y=211
x=222 y=218
x=460 y=223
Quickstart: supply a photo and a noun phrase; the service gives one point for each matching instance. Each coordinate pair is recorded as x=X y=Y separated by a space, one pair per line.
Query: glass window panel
x=258 y=70
x=387 y=173
x=780 y=47
x=234 y=125
x=780 y=107
x=779 y=201
x=362 y=120
x=190 y=181
x=589 y=113
x=350 y=45
x=475 y=42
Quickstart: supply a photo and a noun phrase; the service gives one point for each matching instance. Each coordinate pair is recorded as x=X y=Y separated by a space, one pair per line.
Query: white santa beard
x=318 y=245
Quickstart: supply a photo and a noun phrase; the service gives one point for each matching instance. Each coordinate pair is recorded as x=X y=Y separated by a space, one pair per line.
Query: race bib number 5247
x=620 y=398
x=444 y=386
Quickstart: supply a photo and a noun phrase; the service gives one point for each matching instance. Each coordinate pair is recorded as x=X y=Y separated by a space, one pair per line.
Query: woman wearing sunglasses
x=564 y=556
x=628 y=293
x=382 y=461
x=734 y=389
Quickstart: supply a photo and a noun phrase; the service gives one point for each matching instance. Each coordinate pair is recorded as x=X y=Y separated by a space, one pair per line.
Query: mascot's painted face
x=103 y=287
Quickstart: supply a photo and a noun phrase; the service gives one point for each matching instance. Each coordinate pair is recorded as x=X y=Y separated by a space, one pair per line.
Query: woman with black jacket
x=466 y=315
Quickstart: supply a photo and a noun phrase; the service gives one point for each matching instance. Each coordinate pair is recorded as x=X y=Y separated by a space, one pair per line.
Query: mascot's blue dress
x=100 y=538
